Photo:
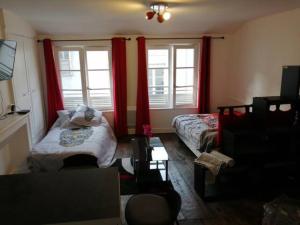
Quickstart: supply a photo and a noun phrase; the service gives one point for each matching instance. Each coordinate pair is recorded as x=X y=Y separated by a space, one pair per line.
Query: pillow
x=65 y=113
x=211 y=120
x=64 y=117
x=86 y=116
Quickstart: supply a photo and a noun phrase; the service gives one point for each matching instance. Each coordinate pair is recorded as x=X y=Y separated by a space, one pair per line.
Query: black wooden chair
x=154 y=209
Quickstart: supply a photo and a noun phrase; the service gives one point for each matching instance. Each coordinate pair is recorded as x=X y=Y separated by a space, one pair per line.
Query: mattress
x=197 y=131
x=48 y=155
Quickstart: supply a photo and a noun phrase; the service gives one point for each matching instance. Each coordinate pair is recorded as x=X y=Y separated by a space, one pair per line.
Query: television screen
x=7 y=59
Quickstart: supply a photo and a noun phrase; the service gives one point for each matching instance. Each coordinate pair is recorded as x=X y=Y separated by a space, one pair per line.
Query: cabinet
x=26 y=84
x=35 y=89
x=13 y=154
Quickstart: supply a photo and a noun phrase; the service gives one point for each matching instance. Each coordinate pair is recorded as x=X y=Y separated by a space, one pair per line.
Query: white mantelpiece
x=15 y=143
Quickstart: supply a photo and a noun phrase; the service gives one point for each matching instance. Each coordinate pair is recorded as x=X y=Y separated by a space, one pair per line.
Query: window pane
x=97 y=60
x=159 y=97
x=158 y=77
x=71 y=80
x=100 y=98
x=184 y=77
x=185 y=57
x=69 y=60
x=99 y=79
x=72 y=99
x=184 y=95
x=158 y=58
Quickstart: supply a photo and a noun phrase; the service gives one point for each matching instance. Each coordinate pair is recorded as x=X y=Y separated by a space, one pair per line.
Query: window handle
x=92 y=89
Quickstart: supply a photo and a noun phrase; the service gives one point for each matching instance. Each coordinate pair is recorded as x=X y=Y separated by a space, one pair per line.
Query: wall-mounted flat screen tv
x=7 y=58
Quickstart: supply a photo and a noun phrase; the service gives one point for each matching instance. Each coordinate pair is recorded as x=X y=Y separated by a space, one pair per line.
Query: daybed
x=63 y=141
x=198 y=131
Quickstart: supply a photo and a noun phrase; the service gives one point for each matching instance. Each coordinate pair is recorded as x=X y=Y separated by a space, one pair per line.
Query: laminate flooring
x=195 y=211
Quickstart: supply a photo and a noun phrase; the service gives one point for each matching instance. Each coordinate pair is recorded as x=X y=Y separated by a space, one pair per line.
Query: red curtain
x=204 y=76
x=142 y=100
x=54 y=94
x=119 y=85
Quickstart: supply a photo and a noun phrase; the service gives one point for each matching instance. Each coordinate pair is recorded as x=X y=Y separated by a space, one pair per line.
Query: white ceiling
x=67 y=17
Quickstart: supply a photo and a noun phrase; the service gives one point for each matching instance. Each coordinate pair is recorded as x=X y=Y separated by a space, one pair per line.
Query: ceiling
x=105 y=17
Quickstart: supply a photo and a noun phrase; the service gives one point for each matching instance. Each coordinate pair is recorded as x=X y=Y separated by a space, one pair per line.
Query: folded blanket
x=214 y=161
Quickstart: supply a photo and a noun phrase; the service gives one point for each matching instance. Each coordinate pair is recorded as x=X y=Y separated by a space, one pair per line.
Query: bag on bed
x=86 y=116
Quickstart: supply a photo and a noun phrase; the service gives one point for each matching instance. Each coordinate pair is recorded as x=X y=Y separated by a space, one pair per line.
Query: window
x=85 y=77
x=158 y=77
x=172 y=76
x=185 y=76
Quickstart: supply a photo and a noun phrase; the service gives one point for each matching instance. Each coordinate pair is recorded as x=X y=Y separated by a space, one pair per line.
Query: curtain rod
x=127 y=39
x=194 y=38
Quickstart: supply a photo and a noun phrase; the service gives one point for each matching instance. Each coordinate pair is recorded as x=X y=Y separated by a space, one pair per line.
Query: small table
x=146 y=159
x=87 y=196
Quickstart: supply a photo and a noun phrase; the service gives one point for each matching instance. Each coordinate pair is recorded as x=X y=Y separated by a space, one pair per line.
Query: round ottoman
x=148 y=209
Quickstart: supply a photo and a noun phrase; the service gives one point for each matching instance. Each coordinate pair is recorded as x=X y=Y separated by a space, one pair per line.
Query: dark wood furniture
x=199 y=179
x=260 y=131
x=89 y=196
x=258 y=138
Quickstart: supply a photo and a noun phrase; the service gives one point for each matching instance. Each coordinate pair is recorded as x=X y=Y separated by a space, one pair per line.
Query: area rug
x=128 y=185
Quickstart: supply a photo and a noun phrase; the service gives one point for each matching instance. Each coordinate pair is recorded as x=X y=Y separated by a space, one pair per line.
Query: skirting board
x=154 y=130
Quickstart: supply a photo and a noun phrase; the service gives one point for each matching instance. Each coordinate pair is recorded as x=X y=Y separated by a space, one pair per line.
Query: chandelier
x=159 y=9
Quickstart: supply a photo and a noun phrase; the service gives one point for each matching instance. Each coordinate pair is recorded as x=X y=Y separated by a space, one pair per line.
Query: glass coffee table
x=150 y=159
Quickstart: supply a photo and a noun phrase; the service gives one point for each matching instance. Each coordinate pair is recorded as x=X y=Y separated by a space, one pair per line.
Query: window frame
x=84 y=70
x=99 y=48
x=196 y=71
x=172 y=73
x=170 y=68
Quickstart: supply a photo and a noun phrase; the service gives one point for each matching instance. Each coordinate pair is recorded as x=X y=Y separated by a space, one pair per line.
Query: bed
x=198 y=131
x=61 y=143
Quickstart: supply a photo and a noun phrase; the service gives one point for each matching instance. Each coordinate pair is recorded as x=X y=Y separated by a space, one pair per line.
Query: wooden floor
x=242 y=211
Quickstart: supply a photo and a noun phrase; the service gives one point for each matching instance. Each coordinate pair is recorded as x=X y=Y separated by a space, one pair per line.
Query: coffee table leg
x=167 y=166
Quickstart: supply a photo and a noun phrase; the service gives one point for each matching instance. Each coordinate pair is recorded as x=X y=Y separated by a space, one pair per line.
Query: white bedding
x=48 y=155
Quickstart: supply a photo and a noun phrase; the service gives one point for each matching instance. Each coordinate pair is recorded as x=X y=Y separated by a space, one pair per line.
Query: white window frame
x=84 y=70
x=172 y=73
x=99 y=48
x=170 y=80
x=196 y=71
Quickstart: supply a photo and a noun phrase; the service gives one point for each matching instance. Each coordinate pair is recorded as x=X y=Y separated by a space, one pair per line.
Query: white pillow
x=86 y=116
x=65 y=113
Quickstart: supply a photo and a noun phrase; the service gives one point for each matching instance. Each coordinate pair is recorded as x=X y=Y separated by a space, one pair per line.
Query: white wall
x=259 y=50
x=161 y=118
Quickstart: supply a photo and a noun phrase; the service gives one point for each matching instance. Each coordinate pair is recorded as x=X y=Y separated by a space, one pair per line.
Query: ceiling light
x=160 y=9
x=167 y=15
